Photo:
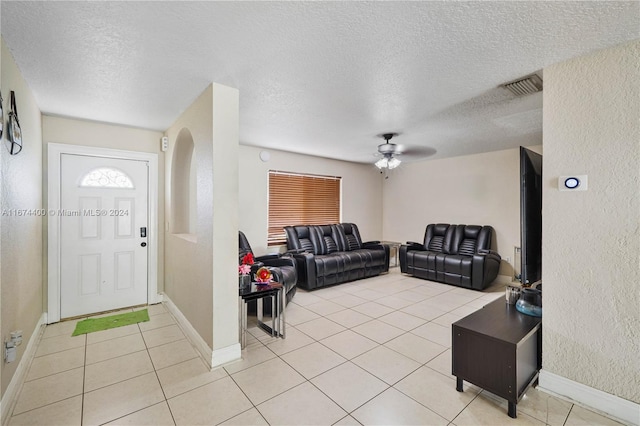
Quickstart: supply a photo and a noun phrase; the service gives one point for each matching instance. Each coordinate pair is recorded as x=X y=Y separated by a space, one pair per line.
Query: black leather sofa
x=283 y=269
x=453 y=254
x=333 y=254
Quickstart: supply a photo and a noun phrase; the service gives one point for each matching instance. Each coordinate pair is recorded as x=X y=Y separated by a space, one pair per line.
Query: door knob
x=143 y=244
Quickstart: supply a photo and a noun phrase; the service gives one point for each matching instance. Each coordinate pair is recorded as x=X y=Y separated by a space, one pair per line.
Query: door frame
x=55 y=152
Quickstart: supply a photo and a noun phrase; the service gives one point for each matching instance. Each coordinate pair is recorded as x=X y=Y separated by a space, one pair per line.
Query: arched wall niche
x=183 y=185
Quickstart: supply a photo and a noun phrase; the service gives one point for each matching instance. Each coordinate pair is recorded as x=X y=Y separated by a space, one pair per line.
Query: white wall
x=479 y=189
x=591 y=240
x=201 y=272
x=89 y=133
x=21 y=236
x=361 y=192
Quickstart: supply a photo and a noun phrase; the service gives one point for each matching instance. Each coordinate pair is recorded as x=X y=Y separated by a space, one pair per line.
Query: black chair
x=283 y=269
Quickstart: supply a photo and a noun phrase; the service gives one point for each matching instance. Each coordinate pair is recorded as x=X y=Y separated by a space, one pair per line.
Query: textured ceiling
x=322 y=78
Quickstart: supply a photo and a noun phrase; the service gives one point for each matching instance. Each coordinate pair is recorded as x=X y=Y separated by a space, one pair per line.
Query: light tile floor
x=375 y=351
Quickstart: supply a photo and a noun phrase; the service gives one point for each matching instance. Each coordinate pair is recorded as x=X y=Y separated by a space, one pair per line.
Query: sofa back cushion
x=348 y=236
x=299 y=237
x=468 y=239
x=323 y=239
x=437 y=237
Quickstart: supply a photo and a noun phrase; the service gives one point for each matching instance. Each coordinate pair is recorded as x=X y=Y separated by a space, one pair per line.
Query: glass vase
x=244 y=281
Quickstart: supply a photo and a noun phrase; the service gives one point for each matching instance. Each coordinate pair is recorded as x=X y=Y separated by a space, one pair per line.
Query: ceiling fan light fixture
x=393 y=163
x=388 y=162
x=382 y=163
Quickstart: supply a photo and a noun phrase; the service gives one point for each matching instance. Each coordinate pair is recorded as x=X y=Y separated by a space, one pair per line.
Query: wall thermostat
x=572 y=183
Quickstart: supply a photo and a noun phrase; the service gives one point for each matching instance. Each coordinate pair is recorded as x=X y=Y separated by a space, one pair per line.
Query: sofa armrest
x=494 y=253
x=279 y=261
x=377 y=246
x=412 y=245
x=267 y=257
x=373 y=245
x=403 y=254
x=306 y=268
x=487 y=256
x=485 y=268
x=295 y=251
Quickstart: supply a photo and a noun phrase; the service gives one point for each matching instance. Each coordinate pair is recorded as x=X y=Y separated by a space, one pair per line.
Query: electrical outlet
x=508 y=260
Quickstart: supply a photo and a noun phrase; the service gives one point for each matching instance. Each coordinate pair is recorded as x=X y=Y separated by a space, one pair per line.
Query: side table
x=394 y=249
x=498 y=349
x=258 y=292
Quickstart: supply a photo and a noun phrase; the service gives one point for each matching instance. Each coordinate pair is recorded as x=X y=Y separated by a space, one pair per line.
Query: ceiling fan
x=391 y=151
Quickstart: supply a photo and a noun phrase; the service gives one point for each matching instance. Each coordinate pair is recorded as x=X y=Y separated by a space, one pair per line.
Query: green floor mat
x=97 y=324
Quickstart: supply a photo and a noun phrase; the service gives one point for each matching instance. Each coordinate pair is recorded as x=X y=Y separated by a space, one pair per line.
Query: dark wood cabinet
x=498 y=349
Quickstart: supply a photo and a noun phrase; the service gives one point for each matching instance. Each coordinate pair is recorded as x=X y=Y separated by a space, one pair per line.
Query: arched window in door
x=106 y=177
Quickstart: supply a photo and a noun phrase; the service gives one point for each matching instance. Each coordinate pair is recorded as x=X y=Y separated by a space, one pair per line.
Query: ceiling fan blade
x=396 y=152
x=416 y=151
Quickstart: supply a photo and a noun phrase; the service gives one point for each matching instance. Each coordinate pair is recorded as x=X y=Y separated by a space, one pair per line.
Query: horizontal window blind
x=297 y=199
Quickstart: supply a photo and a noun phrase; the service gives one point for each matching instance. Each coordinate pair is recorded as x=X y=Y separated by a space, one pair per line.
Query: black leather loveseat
x=334 y=254
x=453 y=254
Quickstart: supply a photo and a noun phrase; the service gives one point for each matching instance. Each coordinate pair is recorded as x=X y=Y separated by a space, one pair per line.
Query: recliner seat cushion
x=458 y=264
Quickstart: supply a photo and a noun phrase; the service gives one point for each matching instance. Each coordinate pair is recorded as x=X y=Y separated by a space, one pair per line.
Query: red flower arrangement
x=245 y=264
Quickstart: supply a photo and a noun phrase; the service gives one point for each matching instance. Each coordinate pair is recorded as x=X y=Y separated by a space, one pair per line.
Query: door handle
x=143 y=244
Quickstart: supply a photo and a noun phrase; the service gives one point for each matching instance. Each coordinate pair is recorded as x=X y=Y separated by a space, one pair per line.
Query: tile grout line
x=378 y=344
x=309 y=380
x=246 y=396
x=155 y=371
x=84 y=375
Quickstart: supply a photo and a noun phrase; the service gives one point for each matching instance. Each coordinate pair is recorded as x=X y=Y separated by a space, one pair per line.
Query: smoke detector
x=525 y=85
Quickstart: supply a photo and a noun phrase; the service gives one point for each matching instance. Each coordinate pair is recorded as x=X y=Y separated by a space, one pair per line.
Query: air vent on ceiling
x=525 y=85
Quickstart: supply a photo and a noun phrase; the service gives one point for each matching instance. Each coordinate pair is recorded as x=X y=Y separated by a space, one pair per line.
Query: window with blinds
x=296 y=199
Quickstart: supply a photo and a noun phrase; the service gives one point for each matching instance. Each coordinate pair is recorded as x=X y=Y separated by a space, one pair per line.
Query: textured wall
x=201 y=269
x=361 y=192
x=21 y=239
x=90 y=133
x=480 y=189
x=591 y=240
x=188 y=269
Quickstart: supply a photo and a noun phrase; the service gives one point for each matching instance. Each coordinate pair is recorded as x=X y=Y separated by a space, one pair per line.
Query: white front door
x=103 y=234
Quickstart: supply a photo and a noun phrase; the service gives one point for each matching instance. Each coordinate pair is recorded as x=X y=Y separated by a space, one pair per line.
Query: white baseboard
x=10 y=397
x=212 y=358
x=613 y=406
x=226 y=355
x=192 y=335
x=159 y=298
